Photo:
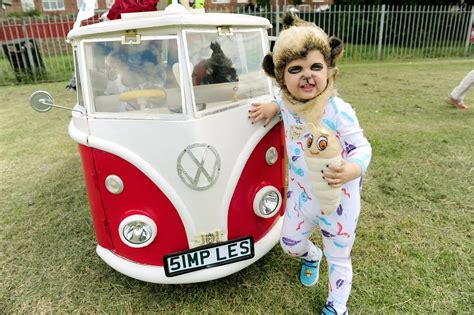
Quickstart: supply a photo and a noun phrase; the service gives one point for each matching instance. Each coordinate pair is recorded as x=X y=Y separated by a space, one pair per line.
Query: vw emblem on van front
x=199 y=166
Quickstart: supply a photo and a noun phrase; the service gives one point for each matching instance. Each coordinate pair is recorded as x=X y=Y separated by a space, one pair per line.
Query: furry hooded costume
x=315 y=131
x=296 y=40
x=322 y=147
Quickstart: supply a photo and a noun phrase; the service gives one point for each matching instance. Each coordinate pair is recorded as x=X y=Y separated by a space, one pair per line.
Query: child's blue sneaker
x=329 y=310
x=309 y=274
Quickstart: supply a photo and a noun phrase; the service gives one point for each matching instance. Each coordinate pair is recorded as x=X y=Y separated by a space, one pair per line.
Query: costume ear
x=337 y=47
x=288 y=20
x=268 y=65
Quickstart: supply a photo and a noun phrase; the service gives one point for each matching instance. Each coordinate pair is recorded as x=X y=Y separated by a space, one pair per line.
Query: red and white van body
x=176 y=185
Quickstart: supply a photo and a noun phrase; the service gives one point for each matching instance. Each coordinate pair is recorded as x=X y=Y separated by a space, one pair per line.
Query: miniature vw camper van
x=182 y=187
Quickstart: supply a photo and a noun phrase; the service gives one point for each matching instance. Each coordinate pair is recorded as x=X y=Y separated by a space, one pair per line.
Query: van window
x=226 y=69
x=80 y=99
x=134 y=79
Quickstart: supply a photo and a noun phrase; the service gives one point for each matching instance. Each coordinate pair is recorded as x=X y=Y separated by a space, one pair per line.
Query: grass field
x=55 y=69
x=414 y=250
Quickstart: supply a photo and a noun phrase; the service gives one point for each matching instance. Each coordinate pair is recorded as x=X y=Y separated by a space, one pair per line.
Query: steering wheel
x=137 y=94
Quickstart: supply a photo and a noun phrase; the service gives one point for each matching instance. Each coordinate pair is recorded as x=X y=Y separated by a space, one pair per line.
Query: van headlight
x=137 y=231
x=267 y=202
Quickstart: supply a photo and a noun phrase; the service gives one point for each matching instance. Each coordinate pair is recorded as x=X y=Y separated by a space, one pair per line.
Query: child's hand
x=337 y=176
x=264 y=111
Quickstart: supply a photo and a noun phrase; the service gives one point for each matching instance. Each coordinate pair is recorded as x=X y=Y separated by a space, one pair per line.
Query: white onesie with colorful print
x=303 y=215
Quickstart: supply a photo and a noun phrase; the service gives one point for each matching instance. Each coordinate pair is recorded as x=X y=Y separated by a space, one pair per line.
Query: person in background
x=129 y=6
x=456 y=97
x=199 y=4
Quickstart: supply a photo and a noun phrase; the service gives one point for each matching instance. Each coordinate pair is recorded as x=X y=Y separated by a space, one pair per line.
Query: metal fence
x=34 y=48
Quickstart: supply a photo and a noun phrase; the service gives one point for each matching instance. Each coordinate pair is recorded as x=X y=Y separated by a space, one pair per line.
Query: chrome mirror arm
x=47 y=102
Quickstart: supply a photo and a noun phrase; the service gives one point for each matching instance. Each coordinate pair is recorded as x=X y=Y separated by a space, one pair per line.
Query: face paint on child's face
x=305 y=78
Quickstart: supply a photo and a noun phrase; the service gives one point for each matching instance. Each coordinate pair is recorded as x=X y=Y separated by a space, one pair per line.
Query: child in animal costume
x=327 y=155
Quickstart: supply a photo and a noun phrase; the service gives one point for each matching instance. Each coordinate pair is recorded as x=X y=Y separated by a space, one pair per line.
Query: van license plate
x=209 y=256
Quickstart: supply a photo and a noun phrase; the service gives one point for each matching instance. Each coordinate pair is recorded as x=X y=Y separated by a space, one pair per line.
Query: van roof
x=173 y=15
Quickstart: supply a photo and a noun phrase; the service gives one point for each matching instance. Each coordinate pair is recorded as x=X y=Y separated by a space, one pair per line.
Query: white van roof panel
x=167 y=18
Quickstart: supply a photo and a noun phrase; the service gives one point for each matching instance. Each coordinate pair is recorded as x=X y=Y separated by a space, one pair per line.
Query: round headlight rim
x=263 y=201
x=137 y=218
x=144 y=226
x=259 y=197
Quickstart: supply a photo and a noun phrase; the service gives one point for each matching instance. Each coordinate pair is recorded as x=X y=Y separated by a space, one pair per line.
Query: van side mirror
x=42 y=101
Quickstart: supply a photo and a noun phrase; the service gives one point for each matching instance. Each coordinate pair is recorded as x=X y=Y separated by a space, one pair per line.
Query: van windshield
x=134 y=79
x=226 y=68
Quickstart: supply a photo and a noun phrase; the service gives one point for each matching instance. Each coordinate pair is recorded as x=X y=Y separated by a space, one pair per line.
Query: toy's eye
x=322 y=143
x=309 y=142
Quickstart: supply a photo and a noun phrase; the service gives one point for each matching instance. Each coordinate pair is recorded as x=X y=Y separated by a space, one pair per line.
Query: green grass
x=413 y=254
x=57 y=68
x=360 y=53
